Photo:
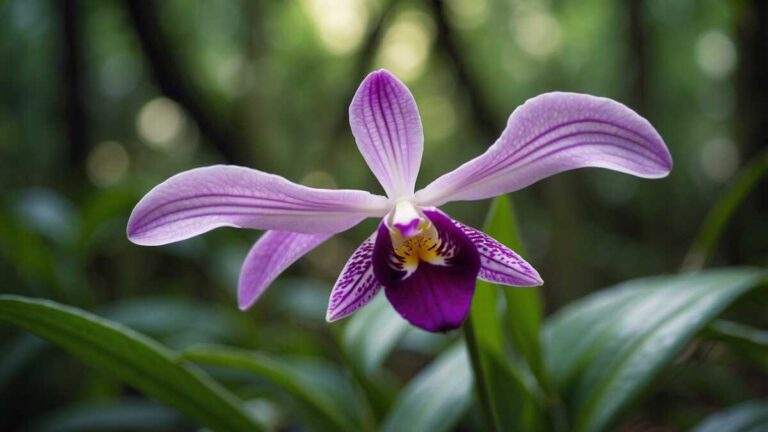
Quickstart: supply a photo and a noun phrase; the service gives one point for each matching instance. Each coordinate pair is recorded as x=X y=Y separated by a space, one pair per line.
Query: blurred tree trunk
x=363 y=67
x=72 y=88
x=752 y=77
x=751 y=125
x=639 y=52
x=219 y=130
x=447 y=40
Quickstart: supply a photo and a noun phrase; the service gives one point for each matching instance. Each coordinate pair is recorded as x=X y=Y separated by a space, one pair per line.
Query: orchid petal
x=552 y=133
x=274 y=252
x=356 y=286
x=435 y=296
x=498 y=263
x=387 y=129
x=199 y=200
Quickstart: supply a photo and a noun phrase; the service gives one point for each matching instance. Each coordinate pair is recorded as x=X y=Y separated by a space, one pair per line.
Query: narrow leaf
x=523 y=305
x=718 y=216
x=498 y=382
x=126 y=414
x=745 y=417
x=134 y=358
x=608 y=348
x=436 y=398
x=318 y=402
x=372 y=334
x=739 y=335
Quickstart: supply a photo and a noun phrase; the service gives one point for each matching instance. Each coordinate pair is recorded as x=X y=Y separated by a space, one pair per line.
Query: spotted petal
x=435 y=296
x=199 y=200
x=356 y=286
x=498 y=263
x=387 y=128
x=552 y=133
x=271 y=255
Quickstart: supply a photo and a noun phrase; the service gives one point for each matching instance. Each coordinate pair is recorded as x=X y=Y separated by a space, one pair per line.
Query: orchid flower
x=426 y=262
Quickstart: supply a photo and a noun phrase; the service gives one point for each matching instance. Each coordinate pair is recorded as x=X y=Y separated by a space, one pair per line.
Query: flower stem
x=481 y=383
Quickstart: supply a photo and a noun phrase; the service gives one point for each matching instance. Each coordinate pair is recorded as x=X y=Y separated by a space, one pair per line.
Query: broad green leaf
x=323 y=407
x=718 y=216
x=132 y=357
x=605 y=350
x=436 y=398
x=372 y=333
x=745 y=417
x=177 y=322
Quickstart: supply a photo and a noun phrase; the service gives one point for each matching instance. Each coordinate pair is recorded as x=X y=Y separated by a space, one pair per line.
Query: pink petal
x=271 y=255
x=498 y=263
x=356 y=285
x=387 y=128
x=552 y=133
x=199 y=200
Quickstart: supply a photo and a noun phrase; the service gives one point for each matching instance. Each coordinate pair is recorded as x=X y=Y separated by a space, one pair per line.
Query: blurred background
x=101 y=100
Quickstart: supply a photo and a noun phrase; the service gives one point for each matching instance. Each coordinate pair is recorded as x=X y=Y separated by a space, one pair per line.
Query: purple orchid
x=426 y=262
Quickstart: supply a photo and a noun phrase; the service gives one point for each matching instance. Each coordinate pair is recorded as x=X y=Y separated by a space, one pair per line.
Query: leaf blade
x=744 y=417
x=649 y=321
x=437 y=398
x=279 y=374
x=134 y=358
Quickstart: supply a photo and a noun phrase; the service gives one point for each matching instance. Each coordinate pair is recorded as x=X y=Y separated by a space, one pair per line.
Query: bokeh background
x=101 y=100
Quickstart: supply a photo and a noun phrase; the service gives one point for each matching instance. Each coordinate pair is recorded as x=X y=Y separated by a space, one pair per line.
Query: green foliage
x=324 y=411
x=372 y=334
x=436 y=398
x=606 y=350
x=132 y=357
x=506 y=390
x=746 y=417
x=264 y=73
x=717 y=218
x=121 y=415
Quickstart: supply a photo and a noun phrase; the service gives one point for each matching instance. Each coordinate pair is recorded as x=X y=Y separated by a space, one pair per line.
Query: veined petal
x=356 y=286
x=274 y=252
x=551 y=133
x=498 y=263
x=387 y=129
x=199 y=200
x=436 y=295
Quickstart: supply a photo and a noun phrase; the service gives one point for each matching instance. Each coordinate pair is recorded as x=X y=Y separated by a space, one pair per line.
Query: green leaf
x=718 y=216
x=504 y=397
x=316 y=399
x=437 y=398
x=127 y=414
x=738 y=334
x=516 y=398
x=523 y=305
x=606 y=350
x=134 y=358
x=746 y=417
x=372 y=334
